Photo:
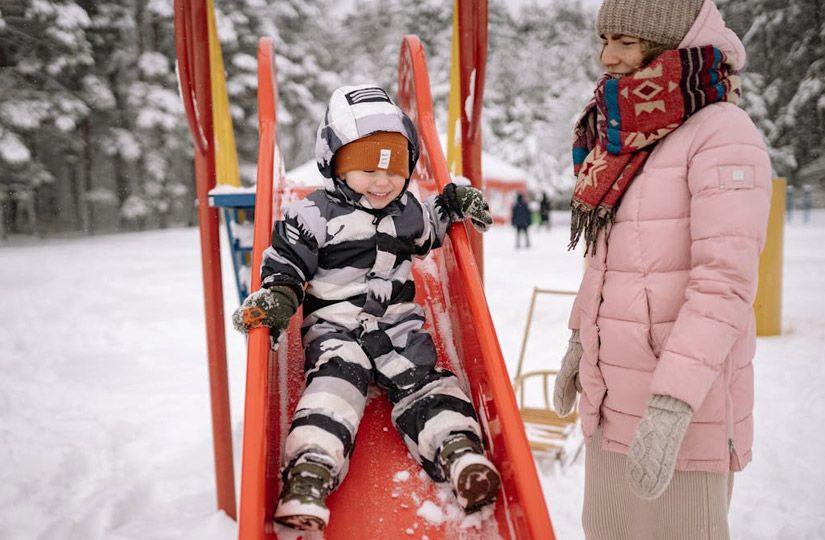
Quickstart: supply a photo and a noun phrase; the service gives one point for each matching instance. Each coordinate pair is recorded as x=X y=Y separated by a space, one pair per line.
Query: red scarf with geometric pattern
x=627 y=117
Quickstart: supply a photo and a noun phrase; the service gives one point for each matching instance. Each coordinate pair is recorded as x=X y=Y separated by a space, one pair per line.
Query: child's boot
x=474 y=479
x=302 y=504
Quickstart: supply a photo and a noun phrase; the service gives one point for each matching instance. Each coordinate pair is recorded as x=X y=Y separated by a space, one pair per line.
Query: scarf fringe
x=589 y=222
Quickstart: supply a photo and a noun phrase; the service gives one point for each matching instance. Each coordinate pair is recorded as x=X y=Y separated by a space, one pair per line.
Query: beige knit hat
x=662 y=21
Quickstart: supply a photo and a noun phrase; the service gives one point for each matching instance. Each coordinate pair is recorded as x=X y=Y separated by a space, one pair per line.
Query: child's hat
x=383 y=150
x=661 y=21
x=355 y=113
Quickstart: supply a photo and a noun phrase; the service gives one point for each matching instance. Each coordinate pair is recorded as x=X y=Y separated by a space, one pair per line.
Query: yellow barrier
x=226 y=156
x=768 y=303
x=454 y=157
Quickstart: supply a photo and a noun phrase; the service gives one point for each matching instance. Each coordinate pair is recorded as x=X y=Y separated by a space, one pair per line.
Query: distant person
x=671 y=203
x=544 y=211
x=351 y=244
x=521 y=219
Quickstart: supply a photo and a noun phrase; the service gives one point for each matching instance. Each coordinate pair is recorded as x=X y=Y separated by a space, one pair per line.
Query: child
x=352 y=244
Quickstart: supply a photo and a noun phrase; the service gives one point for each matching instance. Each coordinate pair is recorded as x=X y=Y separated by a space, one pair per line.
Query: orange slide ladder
x=385 y=494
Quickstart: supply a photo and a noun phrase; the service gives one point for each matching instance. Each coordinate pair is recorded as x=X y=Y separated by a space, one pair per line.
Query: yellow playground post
x=768 y=303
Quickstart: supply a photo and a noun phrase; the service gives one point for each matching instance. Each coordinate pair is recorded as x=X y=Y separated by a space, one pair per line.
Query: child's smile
x=380 y=187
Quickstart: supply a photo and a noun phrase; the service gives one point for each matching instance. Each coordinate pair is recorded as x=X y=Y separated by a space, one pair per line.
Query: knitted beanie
x=661 y=21
x=383 y=150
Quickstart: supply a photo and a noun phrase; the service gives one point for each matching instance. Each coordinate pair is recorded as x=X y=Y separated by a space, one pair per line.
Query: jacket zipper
x=734 y=457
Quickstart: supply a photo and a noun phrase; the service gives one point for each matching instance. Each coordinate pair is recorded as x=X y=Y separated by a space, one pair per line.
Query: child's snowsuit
x=360 y=322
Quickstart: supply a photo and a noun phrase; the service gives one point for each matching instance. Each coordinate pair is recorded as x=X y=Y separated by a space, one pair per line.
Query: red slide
x=385 y=495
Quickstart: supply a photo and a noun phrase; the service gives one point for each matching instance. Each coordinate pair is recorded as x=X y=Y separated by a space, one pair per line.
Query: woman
x=671 y=202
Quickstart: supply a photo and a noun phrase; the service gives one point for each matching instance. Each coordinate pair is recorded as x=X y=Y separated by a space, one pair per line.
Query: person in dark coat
x=544 y=211
x=521 y=220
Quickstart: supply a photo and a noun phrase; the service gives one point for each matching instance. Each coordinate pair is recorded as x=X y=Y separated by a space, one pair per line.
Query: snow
x=105 y=429
x=498 y=169
x=25 y=114
x=97 y=93
x=12 y=149
x=306 y=174
x=153 y=64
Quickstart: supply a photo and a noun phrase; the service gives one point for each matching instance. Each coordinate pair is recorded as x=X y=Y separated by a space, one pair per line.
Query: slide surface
x=385 y=493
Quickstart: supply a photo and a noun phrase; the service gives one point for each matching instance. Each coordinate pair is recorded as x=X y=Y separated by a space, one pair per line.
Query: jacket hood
x=709 y=29
x=354 y=112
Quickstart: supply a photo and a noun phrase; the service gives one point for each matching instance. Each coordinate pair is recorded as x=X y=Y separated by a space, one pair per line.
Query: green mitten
x=652 y=456
x=567 y=380
x=270 y=307
x=466 y=202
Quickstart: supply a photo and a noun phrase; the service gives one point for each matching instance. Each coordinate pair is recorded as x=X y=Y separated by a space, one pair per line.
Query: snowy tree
x=145 y=135
x=375 y=60
x=44 y=52
x=541 y=73
x=784 y=80
x=302 y=31
x=240 y=26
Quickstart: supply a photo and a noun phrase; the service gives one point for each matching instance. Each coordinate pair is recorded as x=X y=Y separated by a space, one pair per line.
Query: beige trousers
x=693 y=507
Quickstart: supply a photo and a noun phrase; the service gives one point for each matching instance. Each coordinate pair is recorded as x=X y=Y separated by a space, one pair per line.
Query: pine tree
x=46 y=54
x=784 y=80
x=540 y=74
x=304 y=78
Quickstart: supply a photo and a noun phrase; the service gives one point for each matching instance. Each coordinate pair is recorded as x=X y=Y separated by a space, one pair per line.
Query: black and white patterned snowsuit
x=361 y=324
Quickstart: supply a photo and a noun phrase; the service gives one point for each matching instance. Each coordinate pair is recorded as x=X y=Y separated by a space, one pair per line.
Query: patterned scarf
x=627 y=117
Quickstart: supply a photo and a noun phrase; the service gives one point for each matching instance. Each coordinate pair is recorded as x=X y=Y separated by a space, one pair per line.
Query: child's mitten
x=652 y=456
x=271 y=307
x=466 y=202
x=567 y=379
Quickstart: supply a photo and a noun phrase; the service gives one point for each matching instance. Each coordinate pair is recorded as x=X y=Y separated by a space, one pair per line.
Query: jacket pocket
x=652 y=342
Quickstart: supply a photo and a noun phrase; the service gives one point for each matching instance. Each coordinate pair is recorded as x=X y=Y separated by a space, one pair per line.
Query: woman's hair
x=650 y=50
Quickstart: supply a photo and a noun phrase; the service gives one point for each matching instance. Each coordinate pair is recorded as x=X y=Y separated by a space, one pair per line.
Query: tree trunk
x=4 y=196
x=87 y=174
x=31 y=214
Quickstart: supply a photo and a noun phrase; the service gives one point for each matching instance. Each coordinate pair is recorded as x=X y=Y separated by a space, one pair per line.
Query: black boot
x=302 y=504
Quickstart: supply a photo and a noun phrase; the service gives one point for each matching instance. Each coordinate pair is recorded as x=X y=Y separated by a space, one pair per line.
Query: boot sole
x=302 y=516
x=478 y=484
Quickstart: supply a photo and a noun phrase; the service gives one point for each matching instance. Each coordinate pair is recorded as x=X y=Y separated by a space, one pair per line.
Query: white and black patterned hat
x=355 y=112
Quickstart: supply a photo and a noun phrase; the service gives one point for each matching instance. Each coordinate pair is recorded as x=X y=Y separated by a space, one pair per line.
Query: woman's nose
x=608 y=56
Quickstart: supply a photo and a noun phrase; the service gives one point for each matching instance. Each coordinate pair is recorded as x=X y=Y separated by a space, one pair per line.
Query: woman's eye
x=629 y=43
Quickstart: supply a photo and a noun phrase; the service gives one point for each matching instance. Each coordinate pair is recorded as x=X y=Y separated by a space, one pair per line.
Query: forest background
x=93 y=137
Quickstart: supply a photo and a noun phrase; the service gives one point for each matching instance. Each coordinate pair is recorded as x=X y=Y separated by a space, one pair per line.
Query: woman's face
x=621 y=55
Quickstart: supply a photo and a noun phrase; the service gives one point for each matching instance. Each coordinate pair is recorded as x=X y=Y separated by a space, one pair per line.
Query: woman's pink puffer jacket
x=665 y=305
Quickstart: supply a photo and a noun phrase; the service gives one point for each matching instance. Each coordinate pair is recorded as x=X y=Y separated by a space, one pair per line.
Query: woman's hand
x=652 y=456
x=567 y=380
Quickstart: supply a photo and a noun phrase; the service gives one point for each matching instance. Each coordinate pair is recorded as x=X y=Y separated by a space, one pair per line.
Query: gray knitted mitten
x=567 y=380
x=652 y=456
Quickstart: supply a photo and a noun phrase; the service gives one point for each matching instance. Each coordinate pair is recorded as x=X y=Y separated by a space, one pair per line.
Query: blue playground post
x=806 y=203
x=238 y=206
x=789 y=203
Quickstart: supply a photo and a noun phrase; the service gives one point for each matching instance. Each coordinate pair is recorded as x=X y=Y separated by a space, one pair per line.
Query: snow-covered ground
x=104 y=408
